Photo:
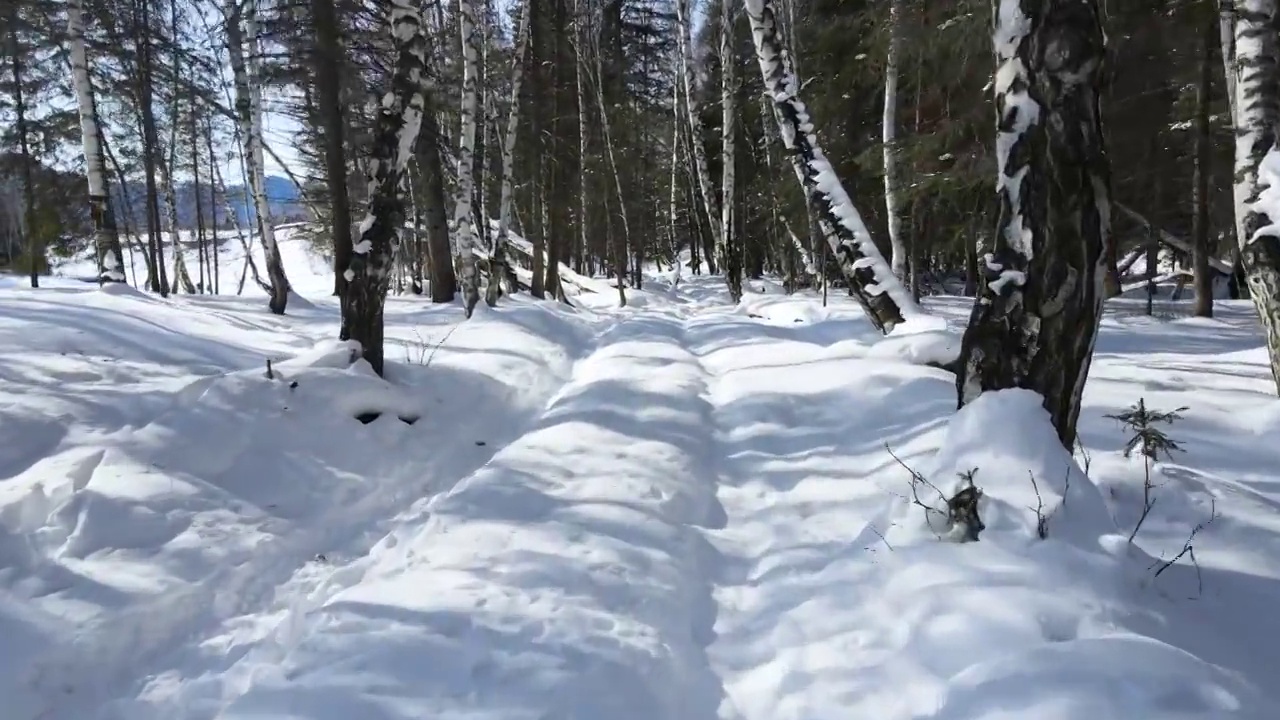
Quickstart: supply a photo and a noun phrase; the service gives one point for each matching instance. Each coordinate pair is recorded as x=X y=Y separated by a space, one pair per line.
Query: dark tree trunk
x=435 y=199
x=150 y=146
x=328 y=68
x=1036 y=317
x=1204 y=143
x=35 y=249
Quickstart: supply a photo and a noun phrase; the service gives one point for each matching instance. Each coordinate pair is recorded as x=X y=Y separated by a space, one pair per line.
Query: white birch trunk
x=873 y=283
x=396 y=129
x=498 y=262
x=249 y=116
x=729 y=264
x=1227 y=38
x=464 y=225
x=684 y=43
x=892 y=208
x=107 y=242
x=1258 y=164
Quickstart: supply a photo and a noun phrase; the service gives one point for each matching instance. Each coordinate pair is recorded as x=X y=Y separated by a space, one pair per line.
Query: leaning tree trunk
x=889 y=122
x=871 y=281
x=464 y=223
x=1257 y=204
x=1036 y=317
x=106 y=238
x=699 y=151
x=395 y=134
x=730 y=258
x=498 y=262
x=248 y=107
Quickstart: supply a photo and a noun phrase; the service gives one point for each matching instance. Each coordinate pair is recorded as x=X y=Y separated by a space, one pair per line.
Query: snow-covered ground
x=680 y=510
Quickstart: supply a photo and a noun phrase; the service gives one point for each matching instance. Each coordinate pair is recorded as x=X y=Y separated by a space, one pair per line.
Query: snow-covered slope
x=682 y=510
x=309 y=270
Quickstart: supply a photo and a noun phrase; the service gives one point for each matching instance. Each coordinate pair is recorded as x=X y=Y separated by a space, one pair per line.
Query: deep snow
x=681 y=510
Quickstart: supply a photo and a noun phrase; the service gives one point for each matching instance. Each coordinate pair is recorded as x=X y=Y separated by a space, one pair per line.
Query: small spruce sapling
x=1150 y=441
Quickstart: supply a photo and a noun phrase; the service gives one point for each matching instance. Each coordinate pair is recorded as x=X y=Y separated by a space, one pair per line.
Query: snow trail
x=598 y=606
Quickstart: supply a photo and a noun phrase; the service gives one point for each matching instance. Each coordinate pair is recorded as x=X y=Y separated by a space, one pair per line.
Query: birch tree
x=1036 y=317
x=884 y=298
x=106 y=239
x=898 y=257
x=497 y=263
x=395 y=133
x=248 y=108
x=1258 y=164
x=464 y=223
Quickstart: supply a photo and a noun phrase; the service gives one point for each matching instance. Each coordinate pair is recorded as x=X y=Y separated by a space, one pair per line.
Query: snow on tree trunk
x=1036 y=317
x=1257 y=188
x=464 y=224
x=881 y=294
x=248 y=107
x=395 y=135
x=684 y=43
x=729 y=257
x=106 y=239
x=498 y=263
x=899 y=252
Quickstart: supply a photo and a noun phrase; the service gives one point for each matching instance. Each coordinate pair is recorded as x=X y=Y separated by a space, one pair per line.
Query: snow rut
x=177 y=653
x=565 y=578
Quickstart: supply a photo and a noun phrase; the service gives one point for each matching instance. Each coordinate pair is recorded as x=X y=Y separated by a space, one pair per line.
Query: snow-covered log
x=1036 y=317
x=1257 y=188
x=106 y=238
x=881 y=294
x=395 y=135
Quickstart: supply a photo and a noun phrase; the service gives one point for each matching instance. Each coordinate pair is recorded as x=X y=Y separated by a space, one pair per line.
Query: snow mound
x=1013 y=625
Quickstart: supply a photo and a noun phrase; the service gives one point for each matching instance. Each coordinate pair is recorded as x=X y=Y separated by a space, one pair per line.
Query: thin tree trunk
x=498 y=261
x=248 y=108
x=1227 y=39
x=730 y=257
x=395 y=134
x=213 y=204
x=684 y=43
x=35 y=249
x=621 y=243
x=1036 y=317
x=872 y=282
x=106 y=239
x=1200 y=220
x=889 y=122
x=464 y=224
x=329 y=60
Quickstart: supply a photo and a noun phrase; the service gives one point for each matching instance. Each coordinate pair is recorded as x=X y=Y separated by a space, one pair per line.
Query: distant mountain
x=282 y=197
